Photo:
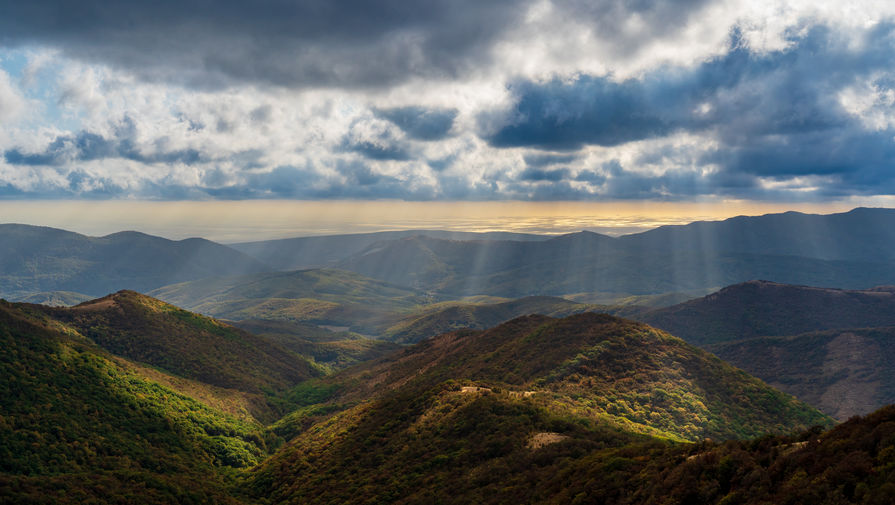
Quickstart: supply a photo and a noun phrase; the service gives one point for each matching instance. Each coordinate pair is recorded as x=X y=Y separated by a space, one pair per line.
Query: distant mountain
x=36 y=259
x=82 y=426
x=476 y=416
x=334 y=350
x=843 y=373
x=862 y=235
x=146 y=330
x=55 y=298
x=324 y=297
x=850 y=250
x=763 y=308
x=328 y=250
x=417 y=327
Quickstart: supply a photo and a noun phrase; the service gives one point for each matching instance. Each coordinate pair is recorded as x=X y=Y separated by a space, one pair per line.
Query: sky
x=688 y=102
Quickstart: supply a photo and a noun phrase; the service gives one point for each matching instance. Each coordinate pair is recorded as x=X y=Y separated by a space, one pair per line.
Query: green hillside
x=488 y=454
x=150 y=331
x=464 y=410
x=80 y=427
x=597 y=366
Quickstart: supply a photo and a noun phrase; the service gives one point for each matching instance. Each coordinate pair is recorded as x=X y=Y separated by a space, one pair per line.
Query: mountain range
x=849 y=250
x=441 y=367
x=143 y=401
x=35 y=259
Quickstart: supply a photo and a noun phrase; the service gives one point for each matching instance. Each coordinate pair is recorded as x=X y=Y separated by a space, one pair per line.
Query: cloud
x=420 y=123
x=346 y=43
x=773 y=115
x=87 y=146
x=535 y=174
x=540 y=99
x=538 y=160
x=11 y=101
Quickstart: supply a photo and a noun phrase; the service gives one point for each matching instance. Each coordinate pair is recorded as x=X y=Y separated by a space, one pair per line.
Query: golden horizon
x=247 y=220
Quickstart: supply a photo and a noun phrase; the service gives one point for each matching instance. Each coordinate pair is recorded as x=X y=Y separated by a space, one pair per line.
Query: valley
x=405 y=368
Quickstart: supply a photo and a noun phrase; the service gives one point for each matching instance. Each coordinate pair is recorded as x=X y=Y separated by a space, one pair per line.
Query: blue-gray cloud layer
x=773 y=115
x=419 y=122
x=748 y=123
x=346 y=43
x=351 y=43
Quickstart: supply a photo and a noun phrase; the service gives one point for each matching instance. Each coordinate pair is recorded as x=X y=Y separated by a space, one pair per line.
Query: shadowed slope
x=844 y=373
x=762 y=308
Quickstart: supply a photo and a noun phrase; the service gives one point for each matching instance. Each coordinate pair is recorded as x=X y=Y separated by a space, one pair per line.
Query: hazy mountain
x=789 y=248
x=329 y=297
x=36 y=259
x=328 y=250
x=417 y=327
x=862 y=234
x=843 y=373
x=762 y=308
x=55 y=298
x=332 y=349
x=452 y=418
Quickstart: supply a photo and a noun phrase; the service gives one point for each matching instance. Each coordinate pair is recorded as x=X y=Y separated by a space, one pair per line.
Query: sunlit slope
x=80 y=427
x=761 y=308
x=842 y=372
x=331 y=297
x=417 y=327
x=189 y=345
x=494 y=452
x=599 y=367
x=459 y=408
x=35 y=259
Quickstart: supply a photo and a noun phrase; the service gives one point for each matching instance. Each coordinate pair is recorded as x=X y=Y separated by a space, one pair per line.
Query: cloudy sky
x=448 y=100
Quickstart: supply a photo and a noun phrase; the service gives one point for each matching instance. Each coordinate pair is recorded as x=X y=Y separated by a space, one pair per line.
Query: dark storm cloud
x=420 y=123
x=774 y=115
x=290 y=43
x=345 y=43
